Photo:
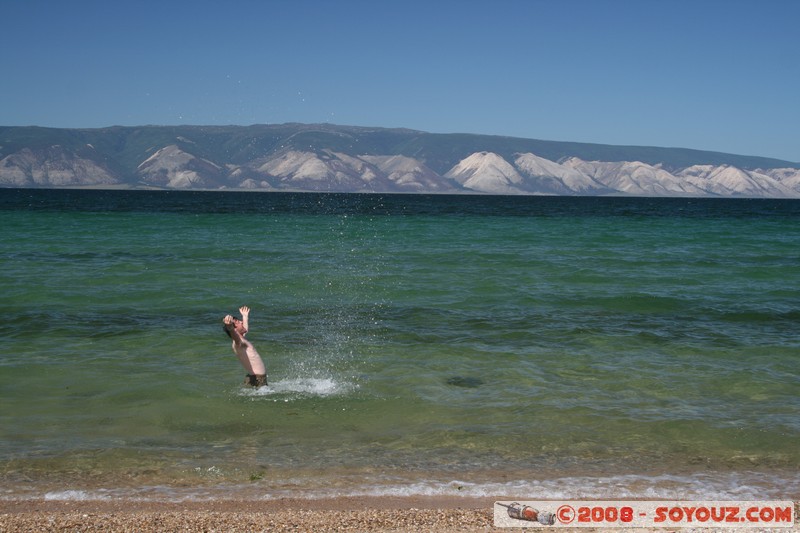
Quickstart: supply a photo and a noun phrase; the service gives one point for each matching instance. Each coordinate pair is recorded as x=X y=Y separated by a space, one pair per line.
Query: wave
x=705 y=486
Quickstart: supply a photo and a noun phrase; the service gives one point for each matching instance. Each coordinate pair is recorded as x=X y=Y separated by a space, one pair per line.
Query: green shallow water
x=410 y=342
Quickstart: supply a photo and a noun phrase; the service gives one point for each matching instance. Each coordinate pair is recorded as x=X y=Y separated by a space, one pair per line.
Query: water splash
x=297 y=388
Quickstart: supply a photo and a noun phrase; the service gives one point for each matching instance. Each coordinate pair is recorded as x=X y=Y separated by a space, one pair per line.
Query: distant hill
x=325 y=157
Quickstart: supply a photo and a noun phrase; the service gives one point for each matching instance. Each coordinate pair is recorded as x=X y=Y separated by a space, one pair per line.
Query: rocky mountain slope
x=301 y=157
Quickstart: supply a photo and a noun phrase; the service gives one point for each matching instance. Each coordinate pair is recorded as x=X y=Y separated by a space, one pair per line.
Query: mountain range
x=326 y=157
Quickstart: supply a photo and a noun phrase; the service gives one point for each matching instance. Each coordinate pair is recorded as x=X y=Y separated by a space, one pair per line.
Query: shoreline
x=436 y=514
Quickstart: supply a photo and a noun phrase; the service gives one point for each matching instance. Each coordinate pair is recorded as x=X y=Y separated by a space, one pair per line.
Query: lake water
x=535 y=347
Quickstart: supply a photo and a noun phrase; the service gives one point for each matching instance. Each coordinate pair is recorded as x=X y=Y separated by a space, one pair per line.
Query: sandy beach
x=339 y=514
x=319 y=515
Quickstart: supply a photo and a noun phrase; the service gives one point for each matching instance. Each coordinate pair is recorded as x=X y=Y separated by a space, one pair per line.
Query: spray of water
x=333 y=311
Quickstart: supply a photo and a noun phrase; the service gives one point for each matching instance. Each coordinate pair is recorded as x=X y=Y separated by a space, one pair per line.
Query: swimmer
x=244 y=349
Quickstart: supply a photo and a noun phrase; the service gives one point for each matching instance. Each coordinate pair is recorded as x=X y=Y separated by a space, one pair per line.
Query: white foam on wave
x=733 y=486
x=728 y=486
x=76 y=495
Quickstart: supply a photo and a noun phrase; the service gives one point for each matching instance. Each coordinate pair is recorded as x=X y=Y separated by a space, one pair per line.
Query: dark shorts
x=255 y=380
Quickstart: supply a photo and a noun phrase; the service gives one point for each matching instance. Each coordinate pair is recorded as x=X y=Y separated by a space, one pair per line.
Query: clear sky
x=719 y=75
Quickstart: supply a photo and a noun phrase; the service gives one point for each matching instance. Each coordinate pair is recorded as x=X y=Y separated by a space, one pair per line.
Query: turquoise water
x=531 y=347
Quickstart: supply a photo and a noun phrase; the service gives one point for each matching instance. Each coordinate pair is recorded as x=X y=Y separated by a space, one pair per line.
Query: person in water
x=244 y=349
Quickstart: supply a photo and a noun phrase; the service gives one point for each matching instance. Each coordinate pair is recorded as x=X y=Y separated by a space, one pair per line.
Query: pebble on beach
x=299 y=520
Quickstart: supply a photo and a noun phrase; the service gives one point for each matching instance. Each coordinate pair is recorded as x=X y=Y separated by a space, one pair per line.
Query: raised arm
x=245 y=311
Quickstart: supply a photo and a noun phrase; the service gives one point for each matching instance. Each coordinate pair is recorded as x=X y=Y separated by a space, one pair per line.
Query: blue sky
x=719 y=75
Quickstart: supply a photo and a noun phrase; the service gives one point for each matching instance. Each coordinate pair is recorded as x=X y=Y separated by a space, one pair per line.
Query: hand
x=228 y=320
x=244 y=310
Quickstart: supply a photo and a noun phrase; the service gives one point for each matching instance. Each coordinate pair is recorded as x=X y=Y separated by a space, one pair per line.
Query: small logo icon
x=528 y=513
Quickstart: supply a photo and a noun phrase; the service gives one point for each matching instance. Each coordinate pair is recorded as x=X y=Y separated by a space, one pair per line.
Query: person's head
x=236 y=324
